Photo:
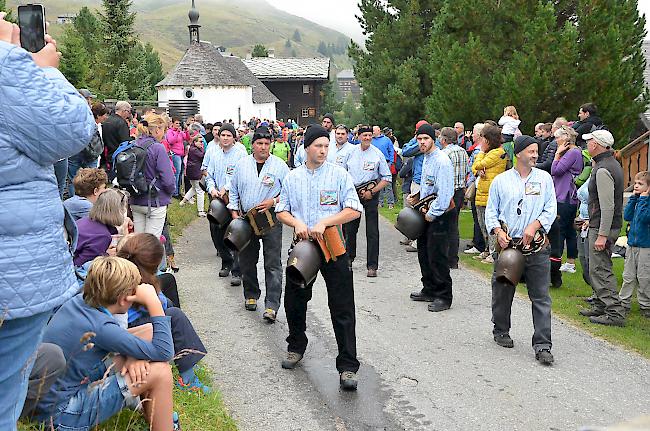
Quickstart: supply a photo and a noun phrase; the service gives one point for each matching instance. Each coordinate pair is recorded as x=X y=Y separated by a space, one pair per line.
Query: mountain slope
x=237 y=25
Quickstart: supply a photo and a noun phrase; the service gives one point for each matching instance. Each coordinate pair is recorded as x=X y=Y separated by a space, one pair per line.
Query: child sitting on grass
x=96 y=384
x=637 y=256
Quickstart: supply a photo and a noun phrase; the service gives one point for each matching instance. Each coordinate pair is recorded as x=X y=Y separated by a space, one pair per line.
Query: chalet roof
x=289 y=69
x=203 y=65
x=345 y=74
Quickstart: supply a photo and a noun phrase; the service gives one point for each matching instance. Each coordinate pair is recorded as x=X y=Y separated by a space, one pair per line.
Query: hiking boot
x=421 y=296
x=592 y=312
x=438 y=305
x=235 y=280
x=544 y=357
x=372 y=272
x=292 y=360
x=348 y=381
x=269 y=315
x=607 y=320
x=504 y=340
x=250 y=304
x=224 y=272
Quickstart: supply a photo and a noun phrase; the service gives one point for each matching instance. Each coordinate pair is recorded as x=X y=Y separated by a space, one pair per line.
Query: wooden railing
x=634 y=158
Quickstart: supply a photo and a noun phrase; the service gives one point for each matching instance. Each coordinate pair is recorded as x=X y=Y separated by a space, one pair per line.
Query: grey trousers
x=636 y=274
x=248 y=257
x=48 y=366
x=603 y=280
x=538 y=280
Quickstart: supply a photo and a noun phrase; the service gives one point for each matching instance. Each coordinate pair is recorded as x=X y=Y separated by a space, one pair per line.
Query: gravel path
x=419 y=370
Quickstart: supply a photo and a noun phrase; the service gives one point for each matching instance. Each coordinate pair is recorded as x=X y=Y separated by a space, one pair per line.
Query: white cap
x=602 y=137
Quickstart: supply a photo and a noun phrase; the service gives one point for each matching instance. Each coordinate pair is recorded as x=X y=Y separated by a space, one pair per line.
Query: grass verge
x=568 y=300
x=197 y=412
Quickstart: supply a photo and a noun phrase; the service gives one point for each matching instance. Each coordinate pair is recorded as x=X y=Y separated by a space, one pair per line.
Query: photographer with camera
x=38 y=275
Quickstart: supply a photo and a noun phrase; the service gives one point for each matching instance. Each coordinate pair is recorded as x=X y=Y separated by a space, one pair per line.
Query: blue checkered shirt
x=459 y=160
x=248 y=188
x=312 y=195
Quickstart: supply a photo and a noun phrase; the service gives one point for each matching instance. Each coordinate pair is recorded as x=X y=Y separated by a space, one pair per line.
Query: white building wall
x=221 y=103
x=265 y=110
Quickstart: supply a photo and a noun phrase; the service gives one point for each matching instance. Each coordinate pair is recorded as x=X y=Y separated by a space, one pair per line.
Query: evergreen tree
x=296 y=36
x=611 y=63
x=9 y=17
x=75 y=60
x=351 y=112
x=330 y=102
x=322 y=49
x=88 y=28
x=260 y=51
x=118 y=39
x=153 y=65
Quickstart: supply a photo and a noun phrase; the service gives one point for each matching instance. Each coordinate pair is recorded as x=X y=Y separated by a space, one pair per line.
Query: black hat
x=522 y=142
x=227 y=127
x=314 y=132
x=261 y=132
x=427 y=129
x=330 y=116
x=364 y=129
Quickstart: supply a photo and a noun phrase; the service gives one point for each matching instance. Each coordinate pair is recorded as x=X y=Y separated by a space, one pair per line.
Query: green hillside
x=236 y=25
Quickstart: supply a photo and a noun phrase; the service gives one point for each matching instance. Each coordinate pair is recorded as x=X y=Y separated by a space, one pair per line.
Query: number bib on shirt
x=230 y=169
x=268 y=180
x=430 y=180
x=369 y=166
x=329 y=197
x=533 y=188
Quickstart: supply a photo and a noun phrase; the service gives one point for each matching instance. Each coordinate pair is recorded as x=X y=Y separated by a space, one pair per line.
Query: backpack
x=509 y=154
x=586 y=169
x=94 y=148
x=128 y=166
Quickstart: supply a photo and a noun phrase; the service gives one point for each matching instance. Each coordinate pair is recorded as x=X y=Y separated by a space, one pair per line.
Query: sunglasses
x=521 y=201
x=263 y=136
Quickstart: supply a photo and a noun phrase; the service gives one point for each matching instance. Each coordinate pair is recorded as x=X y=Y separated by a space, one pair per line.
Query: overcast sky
x=339 y=14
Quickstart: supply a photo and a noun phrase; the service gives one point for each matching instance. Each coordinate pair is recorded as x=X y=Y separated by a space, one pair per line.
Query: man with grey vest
x=606 y=210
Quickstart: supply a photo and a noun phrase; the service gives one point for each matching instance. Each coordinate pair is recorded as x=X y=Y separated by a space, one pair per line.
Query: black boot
x=556 y=274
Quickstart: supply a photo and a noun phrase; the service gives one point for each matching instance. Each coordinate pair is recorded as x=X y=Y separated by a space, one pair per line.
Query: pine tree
x=322 y=49
x=260 y=50
x=117 y=28
x=611 y=63
x=75 y=60
x=9 y=16
x=329 y=102
x=88 y=28
x=296 y=36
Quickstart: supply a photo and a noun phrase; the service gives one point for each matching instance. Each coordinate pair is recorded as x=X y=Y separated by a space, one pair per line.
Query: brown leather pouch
x=262 y=221
x=332 y=243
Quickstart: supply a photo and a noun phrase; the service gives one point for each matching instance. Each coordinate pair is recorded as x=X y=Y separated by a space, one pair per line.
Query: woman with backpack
x=566 y=166
x=150 y=208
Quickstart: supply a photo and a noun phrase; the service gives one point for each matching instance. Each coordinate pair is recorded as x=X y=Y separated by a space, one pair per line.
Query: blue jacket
x=637 y=212
x=412 y=149
x=385 y=145
x=42 y=119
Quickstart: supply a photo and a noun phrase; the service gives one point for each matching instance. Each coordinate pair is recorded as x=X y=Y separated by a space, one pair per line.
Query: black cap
x=522 y=142
x=427 y=129
x=314 y=132
x=261 y=132
x=364 y=129
x=227 y=127
x=330 y=116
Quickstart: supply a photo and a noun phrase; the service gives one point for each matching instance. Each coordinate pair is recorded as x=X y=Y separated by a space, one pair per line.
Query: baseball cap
x=87 y=94
x=602 y=137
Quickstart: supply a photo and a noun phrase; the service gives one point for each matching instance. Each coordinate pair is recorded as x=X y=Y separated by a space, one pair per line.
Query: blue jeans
x=74 y=164
x=177 y=161
x=61 y=172
x=19 y=339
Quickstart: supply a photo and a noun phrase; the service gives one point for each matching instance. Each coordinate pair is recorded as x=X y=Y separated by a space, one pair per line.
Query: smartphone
x=31 y=20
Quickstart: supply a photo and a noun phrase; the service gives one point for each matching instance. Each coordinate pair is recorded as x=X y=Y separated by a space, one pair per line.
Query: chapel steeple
x=194 y=24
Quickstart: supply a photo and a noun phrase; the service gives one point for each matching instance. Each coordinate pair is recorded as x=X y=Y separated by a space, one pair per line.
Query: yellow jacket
x=493 y=164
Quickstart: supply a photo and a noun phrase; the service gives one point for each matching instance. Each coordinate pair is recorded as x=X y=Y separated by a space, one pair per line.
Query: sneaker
x=176 y=422
x=607 y=320
x=472 y=250
x=488 y=259
x=269 y=315
x=250 y=304
x=182 y=203
x=235 y=280
x=568 y=267
x=193 y=386
x=544 y=357
x=202 y=214
x=592 y=312
x=411 y=249
x=348 y=381
x=391 y=206
x=615 y=255
x=504 y=340
x=292 y=360
x=224 y=272
x=482 y=255
x=192 y=201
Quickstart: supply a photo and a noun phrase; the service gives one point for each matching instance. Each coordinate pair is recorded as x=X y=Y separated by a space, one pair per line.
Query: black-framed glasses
x=521 y=202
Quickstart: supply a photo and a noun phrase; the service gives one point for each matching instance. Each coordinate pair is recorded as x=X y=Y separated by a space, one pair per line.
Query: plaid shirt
x=459 y=160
